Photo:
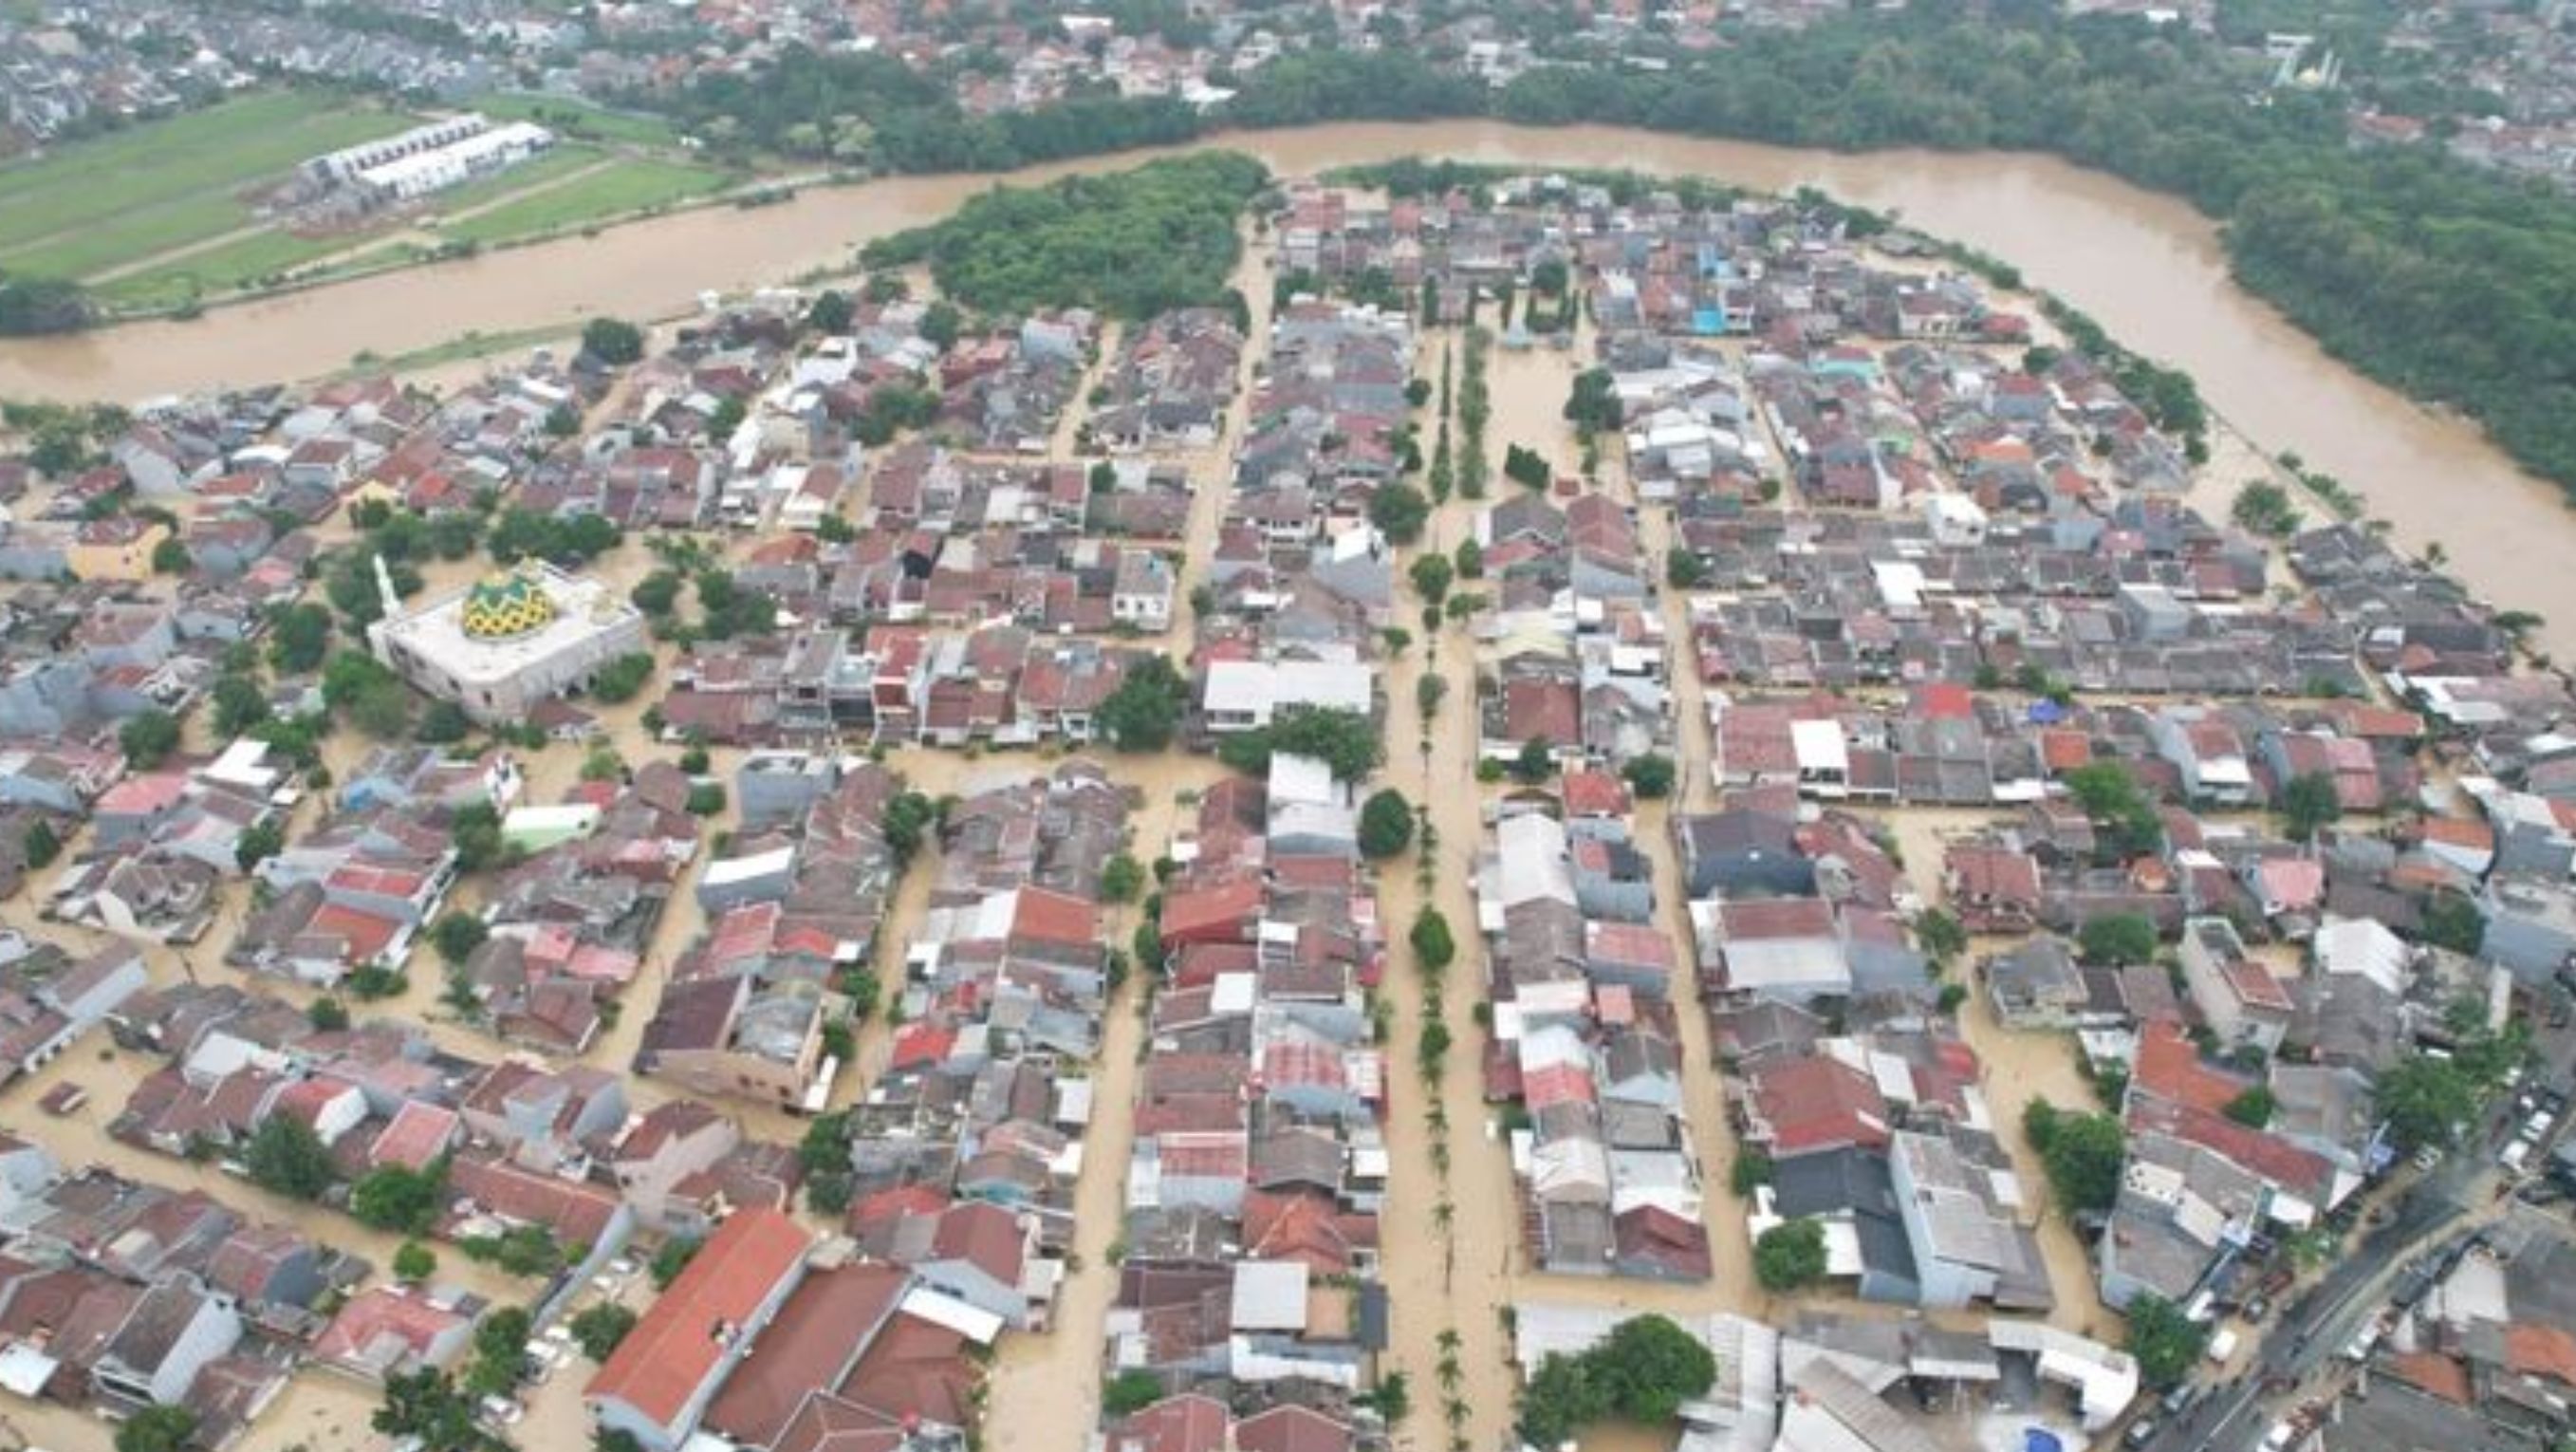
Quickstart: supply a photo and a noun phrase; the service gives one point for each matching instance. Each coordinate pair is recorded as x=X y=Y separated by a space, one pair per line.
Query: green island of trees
x=1132 y=243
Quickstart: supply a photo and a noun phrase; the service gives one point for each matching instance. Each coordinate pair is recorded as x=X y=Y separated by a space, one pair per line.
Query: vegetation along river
x=2148 y=267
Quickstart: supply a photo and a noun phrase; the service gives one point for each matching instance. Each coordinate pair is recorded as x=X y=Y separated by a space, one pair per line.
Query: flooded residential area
x=1551 y=807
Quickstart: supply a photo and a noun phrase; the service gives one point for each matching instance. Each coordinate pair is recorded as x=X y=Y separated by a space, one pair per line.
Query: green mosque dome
x=506 y=606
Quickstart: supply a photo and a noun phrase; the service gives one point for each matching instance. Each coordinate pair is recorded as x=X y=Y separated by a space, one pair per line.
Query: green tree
x=1683 y=568
x=1121 y=878
x=427 y=1404
x=457 y=935
x=597 y=1329
x=941 y=323
x=2308 y=805
x=1650 y=776
x=2263 y=507
x=830 y=314
x=299 y=638
x=382 y=710
x=500 y=1351
x=2452 y=920
x=157 y=1429
x=657 y=593
x=474 y=829
x=2118 y=938
x=1386 y=825
x=257 y=843
x=908 y=816
x=41 y=844
x=1399 y=511
x=1535 y=763
x=2122 y=816
x=1790 y=1255
x=1431 y=576
x=2082 y=1154
x=1941 y=935
x=1562 y=1397
x=1470 y=560
x=672 y=1258
x=147 y=738
x=327 y=1014
x=612 y=341
x=443 y=724
x=1651 y=1366
x=1433 y=947
x=2424 y=1100
x=1130 y=1391
x=2253 y=1107
x=414 y=1262
x=1594 y=405
x=706 y=799
x=1144 y=712
x=617 y=682
x=286 y=1157
x=170 y=557
x=1751 y=1171
x=2166 y=1342
x=399 y=1199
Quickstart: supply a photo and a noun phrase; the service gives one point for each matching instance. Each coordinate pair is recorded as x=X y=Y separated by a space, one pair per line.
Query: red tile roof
x=679 y=1343
x=1054 y=917
x=1187 y=1423
x=821 y=1329
x=1819 y=1103
x=2170 y=1067
x=418 y=1133
x=1291 y=1428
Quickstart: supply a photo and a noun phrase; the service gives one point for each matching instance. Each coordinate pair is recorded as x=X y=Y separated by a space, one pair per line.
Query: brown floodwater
x=2149 y=267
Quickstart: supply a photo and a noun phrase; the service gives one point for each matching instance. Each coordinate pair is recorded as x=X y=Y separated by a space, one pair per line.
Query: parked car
x=2140 y=1433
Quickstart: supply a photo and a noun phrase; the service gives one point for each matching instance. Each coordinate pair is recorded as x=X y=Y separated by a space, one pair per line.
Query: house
x=1248 y=695
x=2531 y=927
x=1141 y=595
x=2036 y=986
x=168 y=1336
x=1991 y=887
x=659 y=1381
x=1739 y=854
x=387 y=1331
x=1787 y=948
x=674 y=1141
x=2238 y=997
x=1959 y=1209
x=986 y=1256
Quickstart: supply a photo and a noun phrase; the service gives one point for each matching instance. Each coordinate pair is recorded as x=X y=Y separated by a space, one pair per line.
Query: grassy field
x=582 y=121
x=133 y=199
x=217 y=270
x=116 y=199
x=627 y=186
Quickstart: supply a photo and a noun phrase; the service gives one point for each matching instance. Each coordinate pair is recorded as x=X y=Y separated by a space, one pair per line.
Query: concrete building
x=500 y=646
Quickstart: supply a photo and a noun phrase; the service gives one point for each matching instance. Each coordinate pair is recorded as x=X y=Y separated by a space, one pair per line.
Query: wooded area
x=1131 y=243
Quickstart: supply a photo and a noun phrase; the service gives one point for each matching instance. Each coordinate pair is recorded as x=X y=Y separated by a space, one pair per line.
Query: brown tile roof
x=814 y=1339
x=675 y=1347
